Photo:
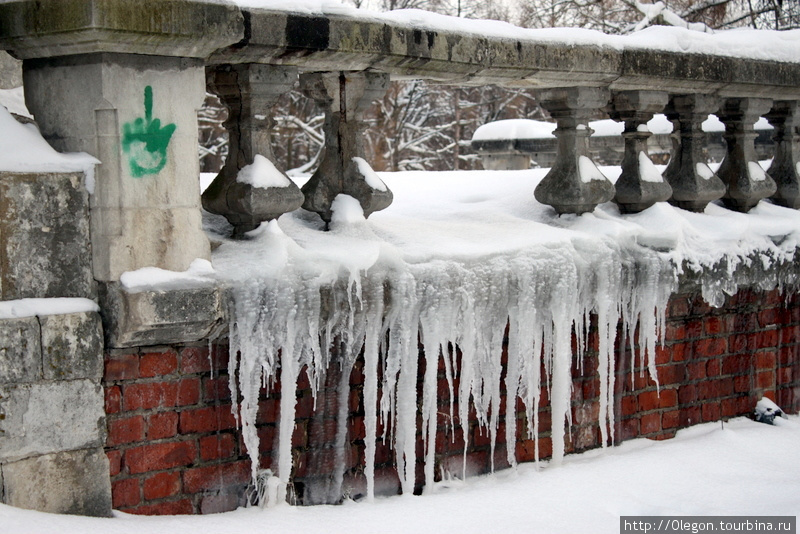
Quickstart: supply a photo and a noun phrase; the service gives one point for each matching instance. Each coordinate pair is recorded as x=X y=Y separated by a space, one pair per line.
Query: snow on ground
x=739 y=468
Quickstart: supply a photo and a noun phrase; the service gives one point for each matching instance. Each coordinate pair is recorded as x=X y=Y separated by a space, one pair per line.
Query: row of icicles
x=290 y=320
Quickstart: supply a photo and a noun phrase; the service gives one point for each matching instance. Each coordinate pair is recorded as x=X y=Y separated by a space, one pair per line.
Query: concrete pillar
x=344 y=96
x=746 y=181
x=574 y=183
x=785 y=168
x=249 y=91
x=138 y=115
x=693 y=183
x=640 y=185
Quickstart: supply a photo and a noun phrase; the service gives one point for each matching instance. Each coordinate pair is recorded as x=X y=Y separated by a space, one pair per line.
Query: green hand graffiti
x=145 y=141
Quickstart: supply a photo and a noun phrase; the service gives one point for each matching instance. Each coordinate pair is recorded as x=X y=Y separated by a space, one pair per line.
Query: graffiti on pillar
x=145 y=141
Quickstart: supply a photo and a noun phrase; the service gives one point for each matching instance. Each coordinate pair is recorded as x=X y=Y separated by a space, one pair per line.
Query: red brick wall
x=174 y=447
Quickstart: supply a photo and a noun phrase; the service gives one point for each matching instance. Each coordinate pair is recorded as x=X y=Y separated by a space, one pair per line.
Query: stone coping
x=225 y=33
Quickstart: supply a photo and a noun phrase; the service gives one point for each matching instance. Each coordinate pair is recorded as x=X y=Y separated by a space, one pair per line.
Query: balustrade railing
x=122 y=81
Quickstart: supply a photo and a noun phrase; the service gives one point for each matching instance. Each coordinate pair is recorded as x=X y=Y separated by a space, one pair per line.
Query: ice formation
x=292 y=316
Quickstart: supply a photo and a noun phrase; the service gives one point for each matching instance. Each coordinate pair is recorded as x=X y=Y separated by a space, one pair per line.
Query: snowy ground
x=740 y=469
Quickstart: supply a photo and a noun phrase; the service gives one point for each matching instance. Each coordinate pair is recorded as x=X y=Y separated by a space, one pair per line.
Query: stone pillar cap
x=183 y=28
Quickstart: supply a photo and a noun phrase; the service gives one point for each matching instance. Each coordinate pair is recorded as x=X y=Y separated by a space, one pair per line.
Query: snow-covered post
x=574 y=184
x=344 y=96
x=640 y=185
x=785 y=168
x=249 y=90
x=693 y=183
x=746 y=181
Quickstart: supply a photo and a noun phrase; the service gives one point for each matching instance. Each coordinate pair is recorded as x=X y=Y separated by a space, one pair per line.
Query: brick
x=149 y=395
x=790 y=335
x=648 y=401
x=680 y=352
x=694 y=329
x=179 y=507
x=670 y=419
x=162 y=485
x=765 y=380
x=678 y=307
x=768 y=317
x=627 y=429
x=710 y=347
x=690 y=416
x=696 y=370
x=159 y=456
x=663 y=355
x=216 y=477
x=113 y=399
x=154 y=364
x=713 y=367
x=671 y=374
x=215 y=389
x=268 y=410
x=742 y=384
x=675 y=332
x=205 y=420
x=125 y=493
x=710 y=412
x=195 y=360
x=126 y=430
x=162 y=425
x=114 y=462
x=737 y=343
x=729 y=407
x=217 y=447
x=121 y=367
x=736 y=364
x=668 y=398
x=687 y=394
x=650 y=423
x=762 y=340
x=766 y=360
x=714 y=325
x=785 y=376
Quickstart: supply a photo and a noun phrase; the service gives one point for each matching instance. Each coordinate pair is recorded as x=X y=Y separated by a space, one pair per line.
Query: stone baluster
x=746 y=181
x=249 y=91
x=574 y=183
x=344 y=96
x=640 y=185
x=693 y=183
x=785 y=168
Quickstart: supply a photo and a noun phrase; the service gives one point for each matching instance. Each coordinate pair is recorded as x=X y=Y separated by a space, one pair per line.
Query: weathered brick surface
x=174 y=446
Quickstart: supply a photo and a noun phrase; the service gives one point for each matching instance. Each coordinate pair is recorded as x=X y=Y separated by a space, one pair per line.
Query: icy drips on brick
x=298 y=314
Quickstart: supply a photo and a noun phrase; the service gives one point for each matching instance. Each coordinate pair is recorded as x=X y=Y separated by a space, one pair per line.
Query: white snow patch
x=703 y=171
x=14 y=101
x=346 y=210
x=12 y=309
x=514 y=129
x=262 y=173
x=370 y=176
x=22 y=149
x=755 y=171
x=199 y=273
x=648 y=170
x=589 y=171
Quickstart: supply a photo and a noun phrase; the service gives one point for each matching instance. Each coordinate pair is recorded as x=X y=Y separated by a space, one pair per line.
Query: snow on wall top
x=22 y=149
x=533 y=129
x=783 y=46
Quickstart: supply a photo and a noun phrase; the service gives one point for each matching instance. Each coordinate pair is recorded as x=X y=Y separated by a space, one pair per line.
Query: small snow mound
x=14 y=309
x=370 y=176
x=262 y=173
x=757 y=174
x=766 y=411
x=23 y=149
x=647 y=170
x=704 y=171
x=589 y=171
x=199 y=273
x=346 y=210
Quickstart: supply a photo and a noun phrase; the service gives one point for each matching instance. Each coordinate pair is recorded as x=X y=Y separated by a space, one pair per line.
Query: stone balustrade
x=123 y=82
